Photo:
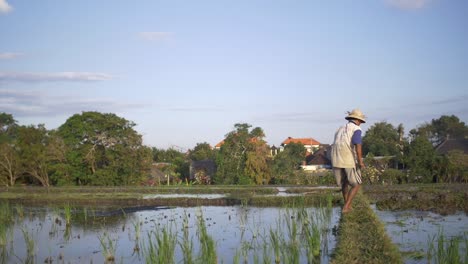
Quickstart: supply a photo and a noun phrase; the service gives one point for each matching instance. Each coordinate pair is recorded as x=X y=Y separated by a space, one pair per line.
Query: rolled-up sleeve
x=356 y=139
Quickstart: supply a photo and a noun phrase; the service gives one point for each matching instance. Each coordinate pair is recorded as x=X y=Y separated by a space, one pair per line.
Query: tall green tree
x=421 y=159
x=382 y=139
x=257 y=158
x=10 y=163
x=38 y=152
x=242 y=158
x=441 y=128
x=202 y=151
x=288 y=162
x=104 y=149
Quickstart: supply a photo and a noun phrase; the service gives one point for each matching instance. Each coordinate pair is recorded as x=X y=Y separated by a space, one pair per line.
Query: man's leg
x=350 y=196
x=344 y=189
x=354 y=180
x=341 y=181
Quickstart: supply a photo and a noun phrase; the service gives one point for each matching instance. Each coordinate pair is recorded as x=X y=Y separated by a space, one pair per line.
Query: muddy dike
x=121 y=197
x=443 y=199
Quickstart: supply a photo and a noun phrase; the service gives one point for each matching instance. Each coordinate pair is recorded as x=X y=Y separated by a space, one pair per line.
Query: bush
x=392 y=176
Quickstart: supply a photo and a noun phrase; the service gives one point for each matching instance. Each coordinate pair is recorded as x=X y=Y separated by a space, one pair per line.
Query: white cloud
x=156 y=36
x=408 y=4
x=54 y=77
x=9 y=55
x=5 y=7
x=27 y=103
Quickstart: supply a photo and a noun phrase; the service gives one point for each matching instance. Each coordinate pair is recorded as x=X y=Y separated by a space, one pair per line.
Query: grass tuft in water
x=30 y=246
x=187 y=243
x=207 y=244
x=67 y=211
x=163 y=250
x=442 y=249
x=108 y=247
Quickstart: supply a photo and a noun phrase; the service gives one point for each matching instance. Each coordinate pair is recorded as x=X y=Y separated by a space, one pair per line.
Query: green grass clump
x=447 y=250
x=362 y=237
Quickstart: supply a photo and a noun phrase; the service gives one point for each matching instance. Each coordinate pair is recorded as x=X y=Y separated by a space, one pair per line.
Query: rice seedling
x=293 y=245
x=163 y=250
x=30 y=246
x=19 y=211
x=67 y=211
x=6 y=215
x=276 y=243
x=312 y=239
x=108 y=247
x=446 y=250
x=207 y=244
x=3 y=235
x=186 y=245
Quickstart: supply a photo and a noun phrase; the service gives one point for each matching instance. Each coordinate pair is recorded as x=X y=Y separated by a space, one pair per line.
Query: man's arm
x=359 y=156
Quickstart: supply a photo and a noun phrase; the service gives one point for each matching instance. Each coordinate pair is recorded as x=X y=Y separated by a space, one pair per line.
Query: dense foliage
x=95 y=148
x=417 y=155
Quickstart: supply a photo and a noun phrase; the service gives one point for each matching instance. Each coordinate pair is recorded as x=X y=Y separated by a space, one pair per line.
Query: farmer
x=346 y=157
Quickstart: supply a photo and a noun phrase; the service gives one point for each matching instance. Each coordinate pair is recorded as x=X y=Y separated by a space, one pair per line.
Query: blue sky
x=186 y=71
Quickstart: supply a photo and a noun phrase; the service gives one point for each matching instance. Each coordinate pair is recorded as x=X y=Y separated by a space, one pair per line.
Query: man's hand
x=361 y=165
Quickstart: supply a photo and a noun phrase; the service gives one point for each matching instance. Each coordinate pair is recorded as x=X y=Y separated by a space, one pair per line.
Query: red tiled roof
x=303 y=141
x=219 y=144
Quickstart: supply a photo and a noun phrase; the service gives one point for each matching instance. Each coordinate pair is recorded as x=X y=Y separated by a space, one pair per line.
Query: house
x=451 y=144
x=202 y=171
x=157 y=174
x=310 y=144
x=218 y=146
x=320 y=159
x=274 y=151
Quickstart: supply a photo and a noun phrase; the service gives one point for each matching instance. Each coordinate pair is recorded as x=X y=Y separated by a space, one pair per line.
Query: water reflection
x=239 y=232
x=413 y=230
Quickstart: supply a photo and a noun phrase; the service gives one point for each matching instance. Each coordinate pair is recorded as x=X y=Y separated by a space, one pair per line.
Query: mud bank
x=439 y=198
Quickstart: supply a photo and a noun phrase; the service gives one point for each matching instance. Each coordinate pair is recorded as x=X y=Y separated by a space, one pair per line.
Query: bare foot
x=346 y=210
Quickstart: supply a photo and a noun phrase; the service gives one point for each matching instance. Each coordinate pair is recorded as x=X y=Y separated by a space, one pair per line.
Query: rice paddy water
x=205 y=234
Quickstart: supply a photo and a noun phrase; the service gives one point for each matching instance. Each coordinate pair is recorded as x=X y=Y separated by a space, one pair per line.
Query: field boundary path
x=362 y=237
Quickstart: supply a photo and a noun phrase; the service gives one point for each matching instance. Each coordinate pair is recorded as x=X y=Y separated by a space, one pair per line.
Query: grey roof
x=453 y=144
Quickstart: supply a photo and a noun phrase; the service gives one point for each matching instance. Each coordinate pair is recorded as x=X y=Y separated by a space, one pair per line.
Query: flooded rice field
x=226 y=234
x=424 y=237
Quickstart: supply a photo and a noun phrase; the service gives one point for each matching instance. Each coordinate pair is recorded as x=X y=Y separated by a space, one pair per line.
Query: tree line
x=415 y=158
x=103 y=149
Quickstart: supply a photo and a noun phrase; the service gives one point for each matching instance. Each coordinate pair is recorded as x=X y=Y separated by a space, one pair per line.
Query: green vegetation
x=163 y=250
x=108 y=247
x=30 y=246
x=362 y=237
x=417 y=154
x=447 y=250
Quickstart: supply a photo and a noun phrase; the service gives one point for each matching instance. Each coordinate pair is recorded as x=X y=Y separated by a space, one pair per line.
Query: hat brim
x=355 y=117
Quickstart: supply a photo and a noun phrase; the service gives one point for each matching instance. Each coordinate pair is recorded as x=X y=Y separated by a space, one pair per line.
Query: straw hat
x=356 y=114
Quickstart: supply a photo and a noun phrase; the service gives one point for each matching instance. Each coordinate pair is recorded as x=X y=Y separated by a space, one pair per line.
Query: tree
x=10 y=164
x=35 y=152
x=104 y=149
x=288 y=161
x=179 y=164
x=256 y=163
x=420 y=159
x=242 y=158
x=383 y=139
x=10 y=167
x=202 y=151
x=441 y=129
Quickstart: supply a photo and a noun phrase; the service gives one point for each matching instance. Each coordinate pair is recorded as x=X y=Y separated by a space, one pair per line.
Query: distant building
x=320 y=159
x=452 y=144
x=310 y=144
x=202 y=171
